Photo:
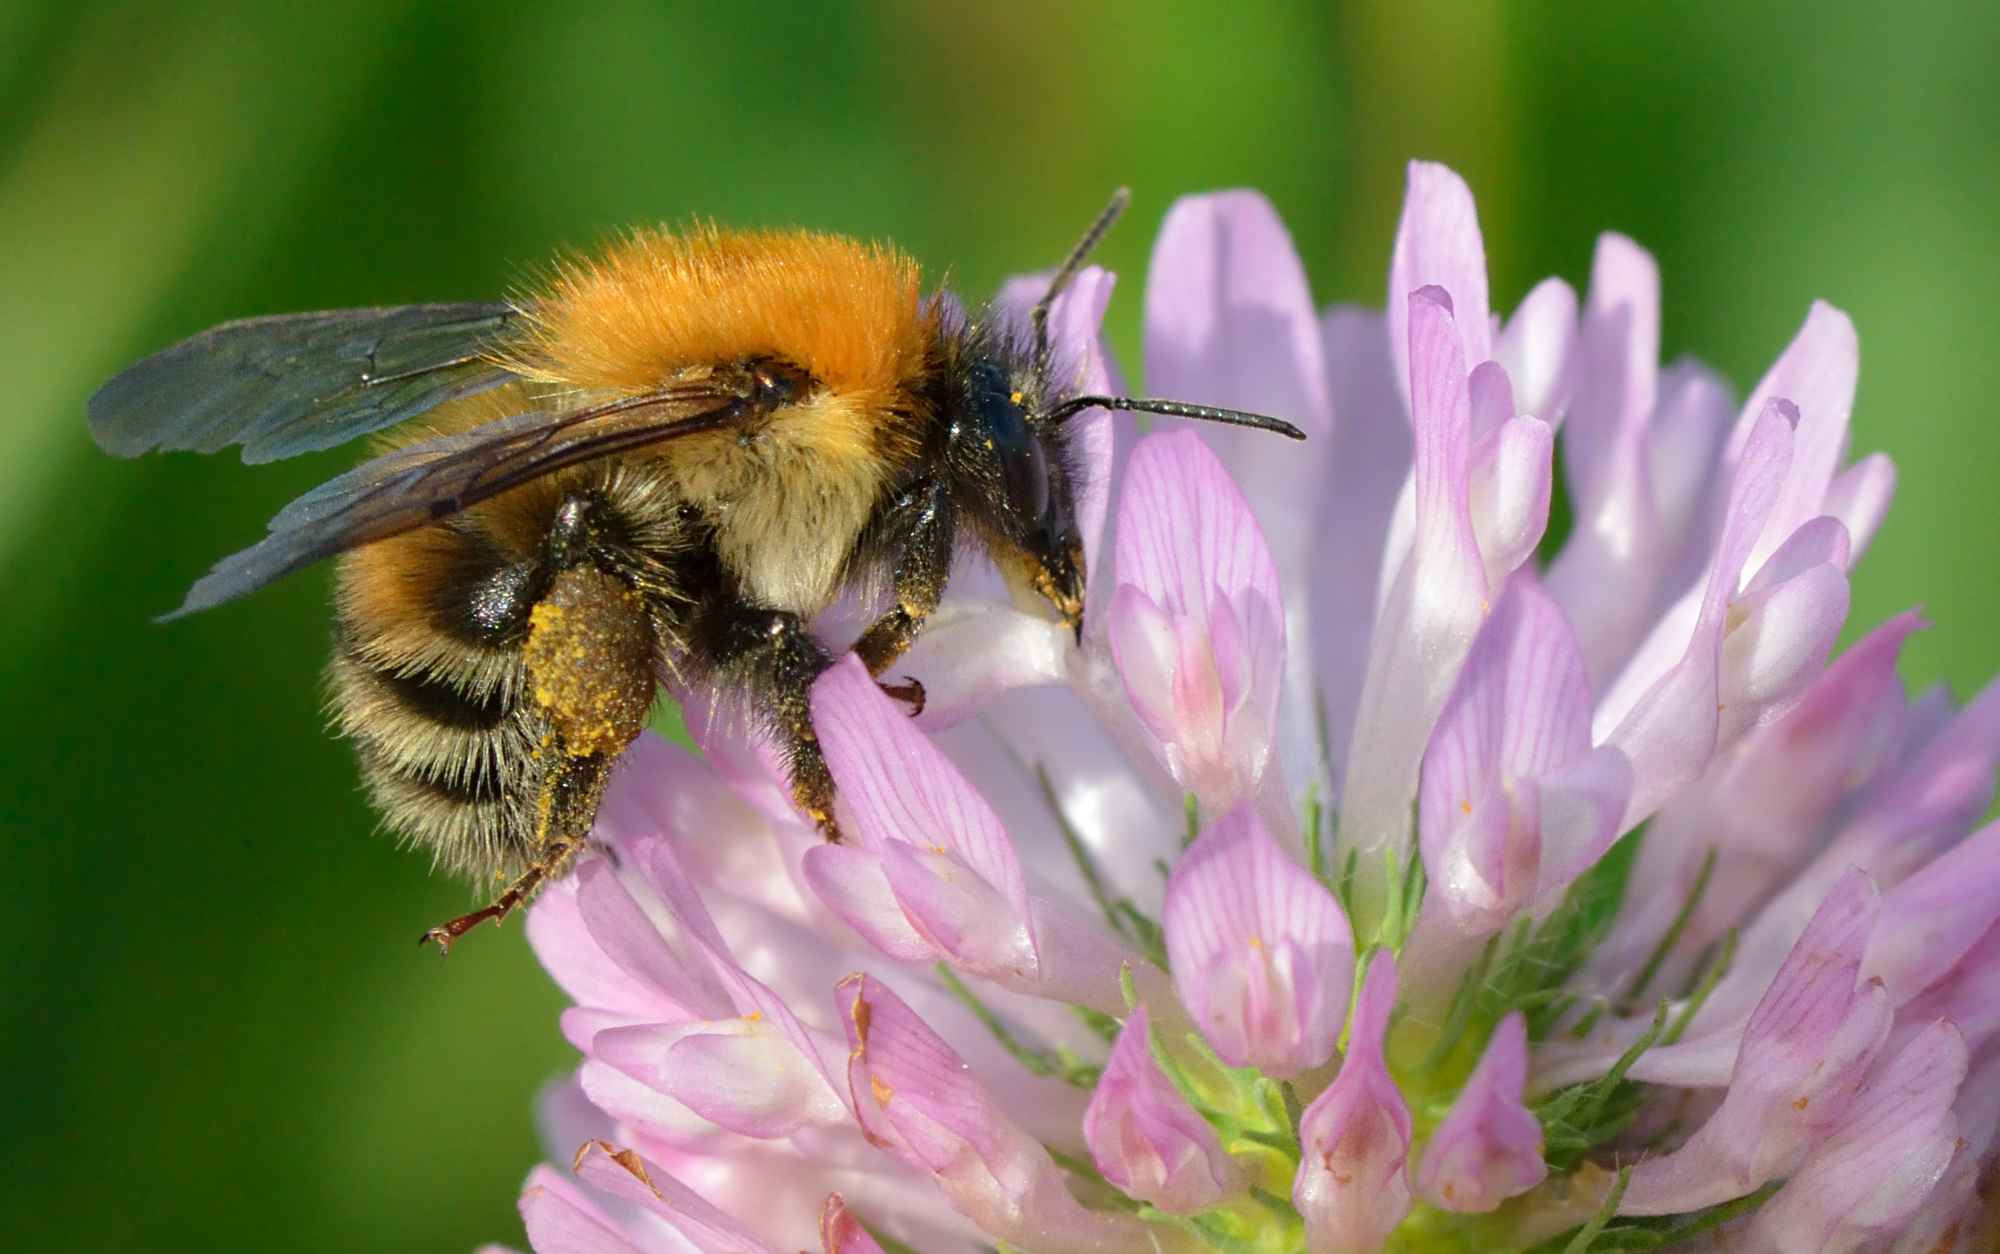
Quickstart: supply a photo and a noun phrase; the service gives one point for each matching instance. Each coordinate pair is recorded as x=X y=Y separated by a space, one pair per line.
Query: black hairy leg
x=772 y=658
x=922 y=518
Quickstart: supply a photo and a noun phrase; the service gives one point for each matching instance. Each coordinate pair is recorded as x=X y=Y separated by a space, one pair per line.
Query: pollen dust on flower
x=880 y=1091
x=755 y=1016
x=1465 y=807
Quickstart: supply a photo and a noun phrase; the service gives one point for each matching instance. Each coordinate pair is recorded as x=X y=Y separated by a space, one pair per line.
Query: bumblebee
x=660 y=468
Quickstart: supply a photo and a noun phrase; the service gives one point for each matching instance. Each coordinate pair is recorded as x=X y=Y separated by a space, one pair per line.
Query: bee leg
x=923 y=517
x=911 y=690
x=550 y=866
x=590 y=665
x=771 y=655
x=566 y=805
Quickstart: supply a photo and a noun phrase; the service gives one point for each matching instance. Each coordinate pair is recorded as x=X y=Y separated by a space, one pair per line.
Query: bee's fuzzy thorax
x=629 y=319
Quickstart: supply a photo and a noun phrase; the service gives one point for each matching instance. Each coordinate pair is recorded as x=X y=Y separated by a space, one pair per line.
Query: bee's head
x=1017 y=468
x=1009 y=449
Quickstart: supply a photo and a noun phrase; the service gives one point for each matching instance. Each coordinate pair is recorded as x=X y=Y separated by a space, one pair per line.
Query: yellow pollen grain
x=1465 y=806
x=881 y=1091
x=755 y=1016
x=1014 y=398
x=1257 y=943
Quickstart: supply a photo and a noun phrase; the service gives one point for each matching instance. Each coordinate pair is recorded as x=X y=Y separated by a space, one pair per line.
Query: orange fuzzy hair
x=657 y=304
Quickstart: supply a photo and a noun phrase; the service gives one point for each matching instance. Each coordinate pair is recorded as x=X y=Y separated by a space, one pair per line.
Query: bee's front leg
x=771 y=657
x=923 y=517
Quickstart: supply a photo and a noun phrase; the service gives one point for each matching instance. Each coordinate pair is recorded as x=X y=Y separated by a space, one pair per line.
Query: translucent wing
x=424 y=482
x=300 y=382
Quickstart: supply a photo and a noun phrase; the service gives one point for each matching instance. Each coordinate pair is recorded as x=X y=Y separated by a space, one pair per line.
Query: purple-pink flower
x=1376 y=872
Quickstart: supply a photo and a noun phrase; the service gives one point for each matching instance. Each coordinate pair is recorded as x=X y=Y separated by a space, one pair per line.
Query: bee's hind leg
x=590 y=669
x=550 y=866
x=566 y=805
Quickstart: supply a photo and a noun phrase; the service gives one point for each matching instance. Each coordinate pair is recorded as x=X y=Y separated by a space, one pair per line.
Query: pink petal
x=666 y=959
x=959 y=913
x=1261 y=953
x=1185 y=532
x=1353 y=1184
x=841 y=1233
x=1968 y=994
x=1489 y=1147
x=1146 y=1139
x=852 y=884
x=1582 y=801
x=900 y=788
x=1859 y=497
x=1804 y=1052
x=1956 y=1208
x=916 y=1098
x=1665 y=720
x=1618 y=376
x=1779 y=643
x=969 y=653
x=1867 y=1177
x=561 y=1219
x=1438 y=244
x=634 y=1104
x=1762 y=811
x=1520 y=711
x=622 y=1174
x=955 y=886
x=1538 y=351
x=1638 y=480
x=1507 y=493
x=573 y=958
x=1816 y=373
x=1436 y=604
x=1230 y=321
x=1931 y=919
x=1371 y=461
x=741 y=1074
x=1202 y=648
x=1928 y=800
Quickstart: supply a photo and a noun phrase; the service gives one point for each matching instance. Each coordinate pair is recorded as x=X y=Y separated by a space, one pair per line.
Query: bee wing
x=424 y=482
x=300 y=382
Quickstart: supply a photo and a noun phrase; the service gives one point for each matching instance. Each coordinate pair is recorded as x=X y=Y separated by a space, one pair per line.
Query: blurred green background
x=217 y=1031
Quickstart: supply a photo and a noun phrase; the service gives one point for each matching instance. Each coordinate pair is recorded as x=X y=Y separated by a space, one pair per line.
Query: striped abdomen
x=427 y=679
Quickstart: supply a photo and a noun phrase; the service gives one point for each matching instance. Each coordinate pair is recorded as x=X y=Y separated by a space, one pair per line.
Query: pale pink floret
x=931 y=873
x=1261 y=953
x=1353 y=1185
x=1515 y=802
x=1144 y=1136
x=1197 y=625
x=1489 y=1147
x=1871 y=1171
x=1804 y=1053
x=914 y=1096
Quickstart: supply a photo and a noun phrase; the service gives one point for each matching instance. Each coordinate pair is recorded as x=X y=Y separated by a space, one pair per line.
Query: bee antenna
x=1039 y=318
x=1173 y=409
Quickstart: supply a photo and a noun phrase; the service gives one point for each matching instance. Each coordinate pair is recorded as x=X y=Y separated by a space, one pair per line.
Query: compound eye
x=1024 y=464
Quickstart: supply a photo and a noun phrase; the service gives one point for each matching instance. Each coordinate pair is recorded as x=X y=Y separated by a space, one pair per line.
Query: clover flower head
x=1376 y=872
